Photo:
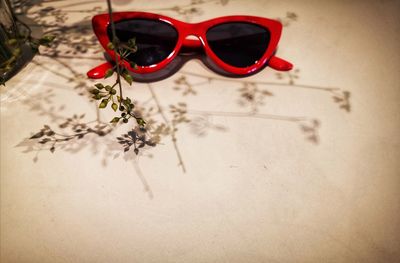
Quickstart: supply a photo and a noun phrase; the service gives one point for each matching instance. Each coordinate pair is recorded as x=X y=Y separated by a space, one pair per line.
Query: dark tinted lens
x=238 y=44
x=155 y=39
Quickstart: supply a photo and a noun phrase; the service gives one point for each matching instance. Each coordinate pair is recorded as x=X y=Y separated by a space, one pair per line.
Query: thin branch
x=114 y=41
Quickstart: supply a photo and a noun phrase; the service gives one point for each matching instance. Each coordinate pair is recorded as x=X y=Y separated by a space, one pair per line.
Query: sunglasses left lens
x=155 y=39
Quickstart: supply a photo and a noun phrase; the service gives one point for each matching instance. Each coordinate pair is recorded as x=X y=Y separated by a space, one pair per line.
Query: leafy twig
x=107 y=93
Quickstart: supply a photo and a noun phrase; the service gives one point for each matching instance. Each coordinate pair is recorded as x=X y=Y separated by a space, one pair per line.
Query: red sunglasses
x=239 y=45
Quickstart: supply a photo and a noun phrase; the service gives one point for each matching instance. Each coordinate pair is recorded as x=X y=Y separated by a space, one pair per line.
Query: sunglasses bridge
x=191 y=44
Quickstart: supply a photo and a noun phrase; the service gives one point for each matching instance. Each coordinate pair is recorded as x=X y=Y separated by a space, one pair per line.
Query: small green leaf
x=97 y=96
x=103 y=104
x=46 y=40
x=115 y=120
x=110 y=45
x=34 y=46
x=132 y=42
x=99 y=86
x=113 y=92
x=114 y=106
x=109 y=73
x=140 y=121
x=133 y=65
x=12 y=41
x=108 y=88
x=16 y=52
x=128 y=78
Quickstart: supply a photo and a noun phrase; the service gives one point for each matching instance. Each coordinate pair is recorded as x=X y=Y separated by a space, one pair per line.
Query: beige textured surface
x=255 y=188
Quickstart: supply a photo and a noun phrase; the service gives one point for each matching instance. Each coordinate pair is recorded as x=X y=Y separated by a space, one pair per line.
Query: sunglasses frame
x=199 y=30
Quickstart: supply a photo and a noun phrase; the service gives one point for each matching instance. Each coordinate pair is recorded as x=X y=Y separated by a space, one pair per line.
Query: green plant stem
x=115 y=45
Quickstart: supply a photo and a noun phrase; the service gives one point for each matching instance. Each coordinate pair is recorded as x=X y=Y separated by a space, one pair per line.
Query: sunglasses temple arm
x=100 y=71
x=279 y=64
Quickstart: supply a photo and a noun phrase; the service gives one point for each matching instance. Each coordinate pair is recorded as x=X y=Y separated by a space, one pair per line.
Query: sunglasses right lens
x=155 y=39
x=238 y=44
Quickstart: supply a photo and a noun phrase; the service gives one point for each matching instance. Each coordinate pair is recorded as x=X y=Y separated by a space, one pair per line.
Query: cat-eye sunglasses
x=239 y=45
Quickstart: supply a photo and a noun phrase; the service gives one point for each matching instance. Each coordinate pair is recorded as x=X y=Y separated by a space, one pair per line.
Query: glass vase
x=15 y=50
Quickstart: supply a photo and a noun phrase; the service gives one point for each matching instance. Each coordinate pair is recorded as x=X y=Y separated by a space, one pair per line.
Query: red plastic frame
x=199 y=30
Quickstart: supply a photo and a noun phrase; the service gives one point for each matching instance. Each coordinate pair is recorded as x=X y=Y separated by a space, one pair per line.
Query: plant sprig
x=108 y=94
